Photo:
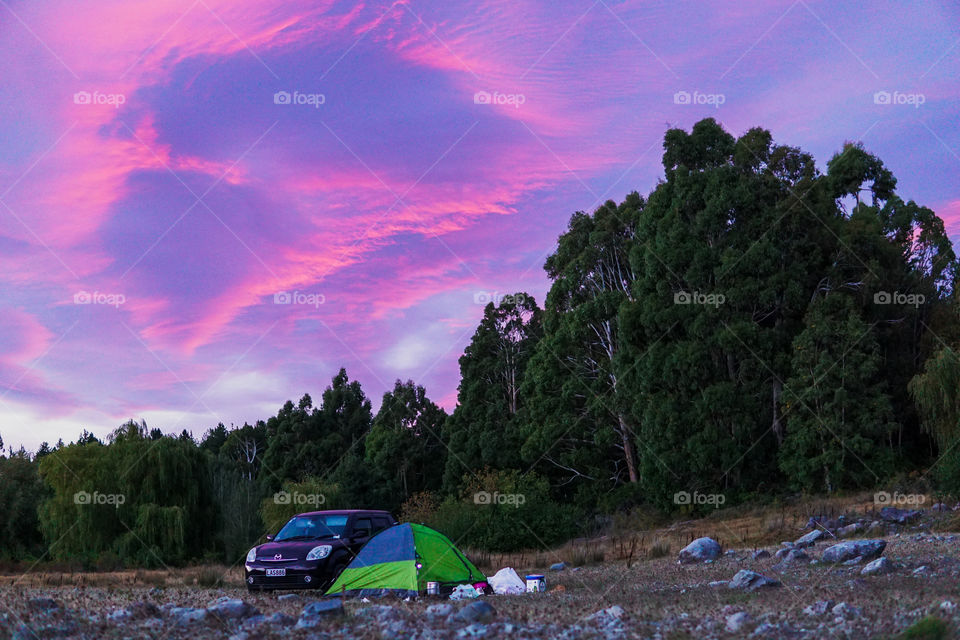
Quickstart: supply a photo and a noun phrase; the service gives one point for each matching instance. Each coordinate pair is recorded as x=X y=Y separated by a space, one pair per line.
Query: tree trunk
x=625 y=434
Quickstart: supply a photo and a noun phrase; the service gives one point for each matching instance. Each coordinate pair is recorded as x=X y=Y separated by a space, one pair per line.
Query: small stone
x=921 y=571
x=378 y=612
x=718 y=583
x=287 y=597
x=760 y=554
x=853 y=561
x=948 y=606
x=819 y=608
x=232 y=608
x=844 y=610
x=314 y=612
x=188 y=615
x=849 y=530
x=559 y=566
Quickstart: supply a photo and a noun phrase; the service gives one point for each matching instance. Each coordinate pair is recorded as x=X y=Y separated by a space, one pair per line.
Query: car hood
x=294 y=550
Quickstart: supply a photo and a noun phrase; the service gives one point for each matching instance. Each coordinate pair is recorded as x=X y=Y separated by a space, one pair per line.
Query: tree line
x=751 y=327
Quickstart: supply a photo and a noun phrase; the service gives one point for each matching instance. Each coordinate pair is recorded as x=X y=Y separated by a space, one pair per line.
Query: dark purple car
x=311 y=550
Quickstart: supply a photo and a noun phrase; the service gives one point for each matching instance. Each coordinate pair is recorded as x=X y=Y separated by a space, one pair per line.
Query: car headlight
x=318 y=553
x=252 y=555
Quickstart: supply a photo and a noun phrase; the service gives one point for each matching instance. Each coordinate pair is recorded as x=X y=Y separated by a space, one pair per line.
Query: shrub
x=506 y=511
x=929 y=628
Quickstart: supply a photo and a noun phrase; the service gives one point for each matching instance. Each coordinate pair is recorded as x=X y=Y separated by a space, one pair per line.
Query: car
x=312 y=548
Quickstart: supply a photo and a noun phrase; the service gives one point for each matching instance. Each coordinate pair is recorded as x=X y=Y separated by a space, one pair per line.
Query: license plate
x=276 y=573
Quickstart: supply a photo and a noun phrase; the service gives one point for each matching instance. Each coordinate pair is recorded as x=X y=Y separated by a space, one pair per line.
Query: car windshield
x=310 y=527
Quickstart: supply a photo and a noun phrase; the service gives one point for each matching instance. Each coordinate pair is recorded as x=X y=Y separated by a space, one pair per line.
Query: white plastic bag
x=464 y=592
x=507 y=582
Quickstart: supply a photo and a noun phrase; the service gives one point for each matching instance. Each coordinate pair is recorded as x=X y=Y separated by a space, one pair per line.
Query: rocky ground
x=873 y=580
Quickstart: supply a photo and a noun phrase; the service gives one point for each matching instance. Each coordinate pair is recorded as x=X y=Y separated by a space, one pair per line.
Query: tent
x=401 y=561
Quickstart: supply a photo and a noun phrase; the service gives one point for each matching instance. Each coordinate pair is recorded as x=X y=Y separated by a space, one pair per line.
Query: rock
x=476 y=611
x=718 y=583
x=819 y=608
x=700 y=550
x=42 y=604
x=609 y=617
x=808 y=539
x=760 y=554
x=947 y=606
x=187 y=615
x=844 y=610
x=379 y=612
x=899 y=516
x=738 y=621
x=730 y=553
x=119 y=615
x=843 y=551
x=287 y=597
x=141 y=610
x=878 y=567
x=853 y=561
x=849 y=530
x=751 y=580
x=439 y=611
x=782 y=553
x=279 y=619
x=316 y=611
x=473 y=631
x=876 y=527
x=794 y=556
x=232 y=609
x=559 y=566
x=921 y=571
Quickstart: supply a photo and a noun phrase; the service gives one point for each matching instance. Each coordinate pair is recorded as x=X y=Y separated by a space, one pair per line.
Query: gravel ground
x=651 y=599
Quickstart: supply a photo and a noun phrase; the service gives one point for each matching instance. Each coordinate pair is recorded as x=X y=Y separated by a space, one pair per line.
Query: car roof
x=345 y=512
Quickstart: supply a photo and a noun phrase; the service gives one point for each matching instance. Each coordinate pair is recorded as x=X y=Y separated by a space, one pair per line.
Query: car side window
x=380 y=523
x=361 y=525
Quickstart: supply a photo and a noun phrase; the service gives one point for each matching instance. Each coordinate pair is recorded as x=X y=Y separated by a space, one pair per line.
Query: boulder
x=476 y=611
x=878 y=567
x=700 y=550
x=751 y=581
x=231 y=608
x=738 y=621
x=809 y=538
x=843 y=551
x=849 y=530
x=899 y=516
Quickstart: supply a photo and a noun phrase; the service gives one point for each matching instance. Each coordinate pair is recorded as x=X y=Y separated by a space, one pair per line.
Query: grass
x=929 y=628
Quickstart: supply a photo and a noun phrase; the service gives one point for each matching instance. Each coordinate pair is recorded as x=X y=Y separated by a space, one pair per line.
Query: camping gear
x=507 y=582
x=482 y=588
x=464 y=592
x=536 y=583
x=401 y=561
x=433 y=588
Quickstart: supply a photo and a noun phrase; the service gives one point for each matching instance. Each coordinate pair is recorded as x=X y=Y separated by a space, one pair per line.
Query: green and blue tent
x=401 y=561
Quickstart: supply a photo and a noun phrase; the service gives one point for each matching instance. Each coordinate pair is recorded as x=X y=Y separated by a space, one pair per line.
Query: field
x=636 y=571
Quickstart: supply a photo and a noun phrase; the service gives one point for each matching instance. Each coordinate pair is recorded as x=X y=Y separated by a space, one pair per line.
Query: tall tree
x=482 y=429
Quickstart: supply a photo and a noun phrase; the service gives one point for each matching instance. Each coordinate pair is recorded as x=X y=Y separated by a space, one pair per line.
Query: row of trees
x=750 y=326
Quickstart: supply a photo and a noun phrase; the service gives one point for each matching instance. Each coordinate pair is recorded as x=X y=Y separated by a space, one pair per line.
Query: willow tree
x=936 y=392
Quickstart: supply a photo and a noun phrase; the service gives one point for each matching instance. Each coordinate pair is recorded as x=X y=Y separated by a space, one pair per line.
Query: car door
x=361 y=532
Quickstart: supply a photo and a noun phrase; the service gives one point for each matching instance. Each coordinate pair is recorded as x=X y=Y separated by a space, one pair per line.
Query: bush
x=929 y=628
x=420 y=507
x=506 y=511
x=312 y=494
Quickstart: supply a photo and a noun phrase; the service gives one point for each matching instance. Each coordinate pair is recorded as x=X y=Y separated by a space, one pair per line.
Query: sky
x=207 y=207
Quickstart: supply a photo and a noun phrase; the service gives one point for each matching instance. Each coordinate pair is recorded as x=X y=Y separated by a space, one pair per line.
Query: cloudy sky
x=208 y=206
